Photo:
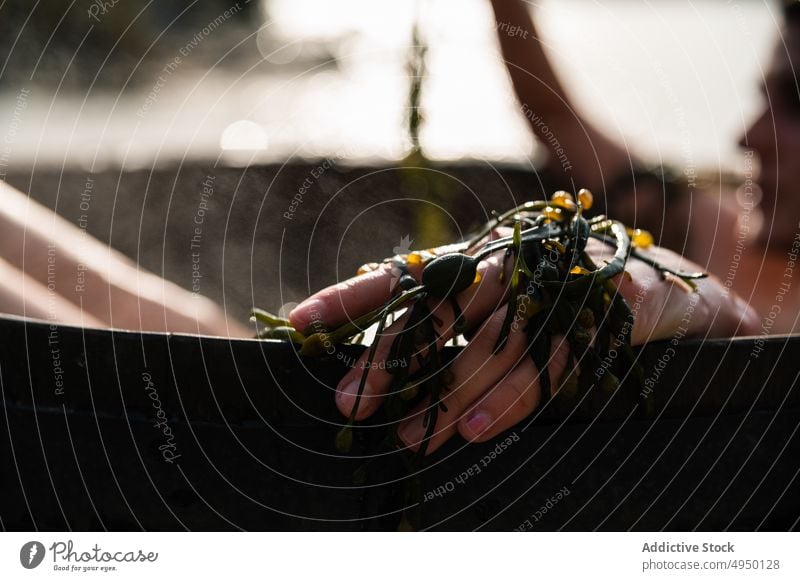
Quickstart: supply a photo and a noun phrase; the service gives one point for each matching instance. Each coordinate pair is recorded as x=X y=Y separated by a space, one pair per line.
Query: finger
x=662 y=307
x=354 y=297
x=713 y=310
x=514 y=398
x=475 y=370
x=345 y=301
x=476 y=303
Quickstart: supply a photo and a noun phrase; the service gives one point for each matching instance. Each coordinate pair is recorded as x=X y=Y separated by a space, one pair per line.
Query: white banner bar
x=401 y=556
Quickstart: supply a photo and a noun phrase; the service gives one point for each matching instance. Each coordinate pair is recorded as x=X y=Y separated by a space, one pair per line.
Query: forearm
x=26 y=297
x=579 y=152
x=95 y=278
x=535 y=82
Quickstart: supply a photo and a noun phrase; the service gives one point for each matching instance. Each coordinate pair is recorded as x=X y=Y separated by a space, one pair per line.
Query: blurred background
x=315 y=78
x=149 y=98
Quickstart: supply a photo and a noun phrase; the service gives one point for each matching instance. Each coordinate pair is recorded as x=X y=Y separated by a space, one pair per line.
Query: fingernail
x=412 y=432
x=347 y=396
x=478 y=422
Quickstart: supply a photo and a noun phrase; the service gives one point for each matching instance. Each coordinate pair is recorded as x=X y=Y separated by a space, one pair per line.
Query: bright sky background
x=674 y=78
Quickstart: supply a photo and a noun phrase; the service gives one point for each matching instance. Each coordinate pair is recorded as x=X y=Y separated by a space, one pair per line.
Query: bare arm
x=577 y=149
x=55 y=271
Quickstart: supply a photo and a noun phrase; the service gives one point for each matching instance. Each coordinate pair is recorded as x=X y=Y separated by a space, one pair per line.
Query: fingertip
x=412 y=433
x=347 y=395
x=476 y=425
x=409 y=434
x=481 y=426
x=749 y=321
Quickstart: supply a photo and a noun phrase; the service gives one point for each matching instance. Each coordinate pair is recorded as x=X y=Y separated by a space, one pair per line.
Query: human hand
x=488 y=392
